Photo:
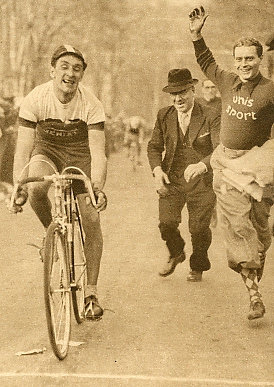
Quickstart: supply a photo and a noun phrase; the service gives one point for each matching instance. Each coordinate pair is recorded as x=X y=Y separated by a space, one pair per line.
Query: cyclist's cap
x=67 y=49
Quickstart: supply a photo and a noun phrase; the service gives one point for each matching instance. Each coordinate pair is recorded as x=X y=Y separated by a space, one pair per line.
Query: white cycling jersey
x=58 y=123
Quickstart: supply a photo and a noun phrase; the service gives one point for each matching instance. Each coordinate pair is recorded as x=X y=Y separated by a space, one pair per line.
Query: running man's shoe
x=171 y=264
x=195 y=276
x=93 y=310
x=257 y=309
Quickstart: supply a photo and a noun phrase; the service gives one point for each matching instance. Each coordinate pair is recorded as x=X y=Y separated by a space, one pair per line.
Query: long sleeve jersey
x=247 y=107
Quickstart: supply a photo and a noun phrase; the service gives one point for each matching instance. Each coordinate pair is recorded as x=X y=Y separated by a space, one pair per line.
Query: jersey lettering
x=240 y=115
x=243 y=101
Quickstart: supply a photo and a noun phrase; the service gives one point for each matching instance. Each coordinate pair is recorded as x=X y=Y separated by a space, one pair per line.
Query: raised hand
x=197 y=18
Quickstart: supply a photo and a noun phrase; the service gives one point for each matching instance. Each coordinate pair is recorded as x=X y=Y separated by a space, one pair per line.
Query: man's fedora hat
x=179 y=80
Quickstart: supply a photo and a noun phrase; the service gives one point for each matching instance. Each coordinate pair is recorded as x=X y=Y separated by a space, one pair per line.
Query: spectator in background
x=134 y=133
x=8 y=133
x=270 y=56
x=209 y=96
x=108 y=135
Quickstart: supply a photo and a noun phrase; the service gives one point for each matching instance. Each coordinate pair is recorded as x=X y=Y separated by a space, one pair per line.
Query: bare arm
x=24 y=147
x=96 y=138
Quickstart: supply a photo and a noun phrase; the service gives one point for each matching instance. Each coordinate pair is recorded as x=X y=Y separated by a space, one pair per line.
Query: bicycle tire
x=80 y=271
x=57 y=291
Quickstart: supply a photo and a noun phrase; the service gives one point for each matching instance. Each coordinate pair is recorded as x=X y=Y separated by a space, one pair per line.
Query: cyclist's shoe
x=257 y=309
x=93 y=310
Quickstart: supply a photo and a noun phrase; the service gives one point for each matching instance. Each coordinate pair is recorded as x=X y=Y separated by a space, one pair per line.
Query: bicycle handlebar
x=53 y=178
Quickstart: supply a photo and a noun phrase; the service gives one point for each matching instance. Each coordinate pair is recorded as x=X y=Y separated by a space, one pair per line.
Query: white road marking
x=222 y=382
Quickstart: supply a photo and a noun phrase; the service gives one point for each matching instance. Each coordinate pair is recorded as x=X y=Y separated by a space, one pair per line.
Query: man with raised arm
x=247 y=117
x=62 y=123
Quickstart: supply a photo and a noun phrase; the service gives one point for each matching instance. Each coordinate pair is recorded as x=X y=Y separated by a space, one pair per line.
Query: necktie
x=183 y=121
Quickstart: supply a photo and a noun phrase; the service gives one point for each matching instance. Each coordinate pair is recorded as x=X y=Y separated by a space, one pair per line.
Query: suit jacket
x=204 y=128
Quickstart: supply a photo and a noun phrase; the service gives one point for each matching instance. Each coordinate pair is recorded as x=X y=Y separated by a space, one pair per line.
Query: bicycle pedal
x=41 y=254
x=39 y=250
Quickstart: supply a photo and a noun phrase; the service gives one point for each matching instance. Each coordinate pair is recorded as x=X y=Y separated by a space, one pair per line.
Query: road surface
x=155 y=331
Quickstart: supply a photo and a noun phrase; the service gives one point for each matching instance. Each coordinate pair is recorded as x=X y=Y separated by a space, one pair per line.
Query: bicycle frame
x=71 y=212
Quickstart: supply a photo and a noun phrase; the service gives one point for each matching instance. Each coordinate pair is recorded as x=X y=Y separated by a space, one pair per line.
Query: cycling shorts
x=77 y=155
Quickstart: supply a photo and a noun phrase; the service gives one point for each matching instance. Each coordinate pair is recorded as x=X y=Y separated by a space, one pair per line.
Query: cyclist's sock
x=249 y=277
x=91 y=289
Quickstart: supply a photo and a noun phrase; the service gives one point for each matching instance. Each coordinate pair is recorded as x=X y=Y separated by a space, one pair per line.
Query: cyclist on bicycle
x=134 y=134
x=62 y=122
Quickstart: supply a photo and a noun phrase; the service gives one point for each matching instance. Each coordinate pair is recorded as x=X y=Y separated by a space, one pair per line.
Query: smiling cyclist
x=62 y=122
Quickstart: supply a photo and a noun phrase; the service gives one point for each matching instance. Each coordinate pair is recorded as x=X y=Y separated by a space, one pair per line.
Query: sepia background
x=156 y=332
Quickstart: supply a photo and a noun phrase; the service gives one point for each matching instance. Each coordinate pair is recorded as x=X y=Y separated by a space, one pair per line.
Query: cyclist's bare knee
x=38 y=191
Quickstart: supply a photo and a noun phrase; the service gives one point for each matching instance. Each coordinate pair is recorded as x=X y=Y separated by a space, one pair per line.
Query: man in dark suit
x=179 y=151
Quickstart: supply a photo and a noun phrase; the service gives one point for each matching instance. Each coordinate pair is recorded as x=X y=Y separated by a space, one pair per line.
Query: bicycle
x=64 y=259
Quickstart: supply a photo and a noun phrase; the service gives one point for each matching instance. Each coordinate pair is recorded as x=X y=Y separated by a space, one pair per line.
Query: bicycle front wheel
x=79 y=271
x=57 y=291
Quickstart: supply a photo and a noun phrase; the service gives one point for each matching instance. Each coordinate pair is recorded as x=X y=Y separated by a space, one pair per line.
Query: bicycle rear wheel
x=57 y=291
x=79 y=271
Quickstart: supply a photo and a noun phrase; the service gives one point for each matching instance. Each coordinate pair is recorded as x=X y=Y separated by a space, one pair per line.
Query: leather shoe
x=257 y=310
x=171 y=264
x=195 y=276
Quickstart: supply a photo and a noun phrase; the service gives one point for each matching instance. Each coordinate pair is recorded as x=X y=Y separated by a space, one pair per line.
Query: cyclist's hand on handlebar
x=101 y=199
x=20 y=199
